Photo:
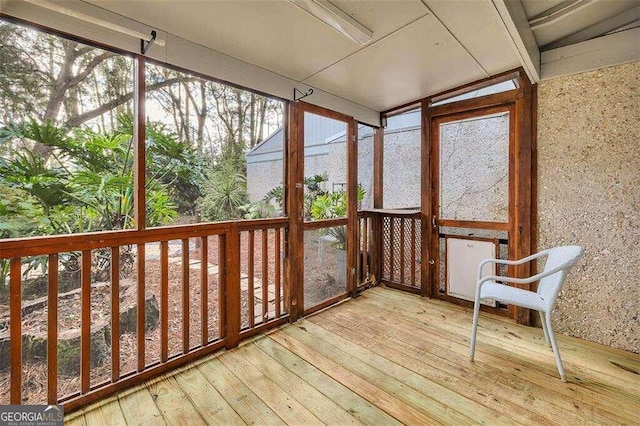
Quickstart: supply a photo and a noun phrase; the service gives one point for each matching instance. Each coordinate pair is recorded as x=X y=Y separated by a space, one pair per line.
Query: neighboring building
x=325 y=152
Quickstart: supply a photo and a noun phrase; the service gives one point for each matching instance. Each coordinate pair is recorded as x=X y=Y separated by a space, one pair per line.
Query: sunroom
x=274 y=211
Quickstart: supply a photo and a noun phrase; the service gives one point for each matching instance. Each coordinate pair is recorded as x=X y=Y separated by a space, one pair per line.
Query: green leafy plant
x=259 y=210
x=225 y=193
x=86 y=184
x=334 y=205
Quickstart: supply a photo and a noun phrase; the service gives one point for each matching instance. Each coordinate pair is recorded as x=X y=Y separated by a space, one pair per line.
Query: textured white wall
x=589 y=194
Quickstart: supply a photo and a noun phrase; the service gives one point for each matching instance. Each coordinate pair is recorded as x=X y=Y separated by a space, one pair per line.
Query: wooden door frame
x=294 y=204
x=522 y=229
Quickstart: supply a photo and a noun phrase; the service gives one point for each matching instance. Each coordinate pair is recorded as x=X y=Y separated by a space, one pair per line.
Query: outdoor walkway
x=389 y=357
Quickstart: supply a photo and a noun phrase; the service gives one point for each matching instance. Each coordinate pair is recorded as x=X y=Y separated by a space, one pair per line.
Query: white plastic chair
x=559 y=261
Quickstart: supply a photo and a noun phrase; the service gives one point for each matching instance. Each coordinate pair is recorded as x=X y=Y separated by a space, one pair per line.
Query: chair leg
x=554 y=345
x=474 y=329
x=544 y=328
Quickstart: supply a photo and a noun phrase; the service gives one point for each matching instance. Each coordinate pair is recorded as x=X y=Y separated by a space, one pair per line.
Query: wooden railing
x=390 y=248
x=240 y=292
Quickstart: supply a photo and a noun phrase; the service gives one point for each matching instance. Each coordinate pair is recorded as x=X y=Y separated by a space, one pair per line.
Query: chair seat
x=507 y=294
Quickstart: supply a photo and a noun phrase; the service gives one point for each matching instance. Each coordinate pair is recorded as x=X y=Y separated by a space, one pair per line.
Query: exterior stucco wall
x=401 y=169
x=365 y=170
x=589 y=194
x=262 y=178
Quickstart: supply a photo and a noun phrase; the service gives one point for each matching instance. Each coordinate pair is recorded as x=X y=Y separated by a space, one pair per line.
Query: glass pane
x=65 y=135
x=325 y=264
x=325 y=168
x=474 y=168
x=365 y=167
x=401 y=153
x=214 y=152
x=496 y=88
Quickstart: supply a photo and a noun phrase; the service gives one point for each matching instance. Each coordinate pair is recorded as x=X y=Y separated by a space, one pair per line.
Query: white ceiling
x=419 y=47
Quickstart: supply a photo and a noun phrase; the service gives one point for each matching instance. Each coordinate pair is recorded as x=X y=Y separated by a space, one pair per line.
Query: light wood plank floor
x=389 y=357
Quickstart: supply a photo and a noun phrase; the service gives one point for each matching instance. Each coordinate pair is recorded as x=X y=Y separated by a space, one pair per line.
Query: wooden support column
x=534 y=179
x=232 y=286
x=139 y=139
x=378 y=201
x=520 y=232
x=294 y=297
x=353 y=246
x=426 y=240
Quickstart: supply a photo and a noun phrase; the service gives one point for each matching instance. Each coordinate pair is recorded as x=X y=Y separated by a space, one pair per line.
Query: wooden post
x=232 y=286
x=534 y=179
x=15 y=316
x=426 y=211
x=186 y=299
x=520 y=232
x=164 y=301
x=85 y=322
x=378 y=202
x=52 y=331
x=140 y=328
x=294 y=297
x=353 y=249
x=139 y=139
x=115 y=314
x=204 y=288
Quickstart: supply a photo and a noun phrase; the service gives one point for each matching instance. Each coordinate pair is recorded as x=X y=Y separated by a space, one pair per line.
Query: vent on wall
x=463 y=258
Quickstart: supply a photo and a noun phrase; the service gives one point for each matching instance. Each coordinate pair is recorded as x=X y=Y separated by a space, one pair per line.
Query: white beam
x=177 y=51
x=516 y=25
x=601 y=28
x=605 y=51
x=557 y=13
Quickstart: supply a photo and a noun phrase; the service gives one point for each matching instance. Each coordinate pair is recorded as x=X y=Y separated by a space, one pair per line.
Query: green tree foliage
x=225 y=193
x=87 y=185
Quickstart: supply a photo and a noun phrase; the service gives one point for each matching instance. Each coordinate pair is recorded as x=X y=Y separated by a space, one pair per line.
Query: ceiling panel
x=275 y=35
x=383 y=16
x=421 y=59
x=493 y=50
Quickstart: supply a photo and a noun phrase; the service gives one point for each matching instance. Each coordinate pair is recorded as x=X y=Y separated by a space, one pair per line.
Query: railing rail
x=233 y=285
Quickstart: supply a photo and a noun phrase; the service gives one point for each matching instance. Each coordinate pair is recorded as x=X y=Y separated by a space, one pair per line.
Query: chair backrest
x=563 y=257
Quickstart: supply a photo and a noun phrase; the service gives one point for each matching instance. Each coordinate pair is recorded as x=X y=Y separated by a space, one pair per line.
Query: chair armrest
x=510 y=262
x=529 y=280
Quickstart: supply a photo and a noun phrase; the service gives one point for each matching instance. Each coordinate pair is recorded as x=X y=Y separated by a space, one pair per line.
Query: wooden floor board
x=351 y=402
x=139 y=408
x=107 y=413
x=522 y=399
x=585 y=354
x=243 y=400
x=173 y=403
x=385 y=358
x=307 y=395
x=206 y=399
x=598 y=376
x=283 y=404
x=433 y=390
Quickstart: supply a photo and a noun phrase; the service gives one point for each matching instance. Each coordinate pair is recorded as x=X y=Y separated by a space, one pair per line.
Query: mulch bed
x=320 y=284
